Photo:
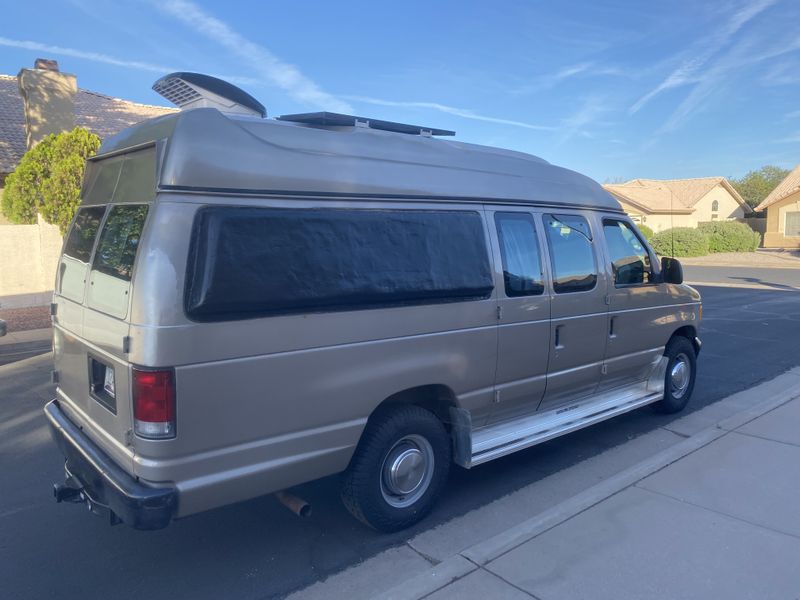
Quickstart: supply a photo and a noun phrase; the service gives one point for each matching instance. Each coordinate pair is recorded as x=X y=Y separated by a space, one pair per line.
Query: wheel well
x=690 y=333
x=436 y=398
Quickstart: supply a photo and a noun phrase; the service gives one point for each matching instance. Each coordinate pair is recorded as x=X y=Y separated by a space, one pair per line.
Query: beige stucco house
x=34 y=103
x=664 y=203
x=783 y=213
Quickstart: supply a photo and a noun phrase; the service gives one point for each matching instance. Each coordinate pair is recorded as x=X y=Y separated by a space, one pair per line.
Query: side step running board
x=485 y=444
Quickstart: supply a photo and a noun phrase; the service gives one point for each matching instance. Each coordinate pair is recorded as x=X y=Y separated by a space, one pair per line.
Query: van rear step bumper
x=92 y=477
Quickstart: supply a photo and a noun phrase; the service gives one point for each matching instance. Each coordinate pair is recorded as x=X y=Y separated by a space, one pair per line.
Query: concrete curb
x=488 y=550
x=435 y=578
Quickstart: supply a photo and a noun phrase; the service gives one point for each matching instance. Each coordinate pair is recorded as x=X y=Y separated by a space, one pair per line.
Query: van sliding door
x=524 y=308
x=578 y=311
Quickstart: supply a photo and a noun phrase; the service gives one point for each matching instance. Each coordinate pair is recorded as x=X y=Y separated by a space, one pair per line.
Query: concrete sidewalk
x=712 y=516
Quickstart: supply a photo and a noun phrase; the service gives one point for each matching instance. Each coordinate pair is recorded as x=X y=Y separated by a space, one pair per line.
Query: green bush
x=730 y=236
x=48 y=179
x=680 y=241
x=646 y=231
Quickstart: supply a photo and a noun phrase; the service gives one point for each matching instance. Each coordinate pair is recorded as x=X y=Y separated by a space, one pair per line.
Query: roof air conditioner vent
x=195 y=90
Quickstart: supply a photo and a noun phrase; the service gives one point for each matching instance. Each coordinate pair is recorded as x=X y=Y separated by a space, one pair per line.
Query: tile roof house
x=664 y=203
x=26 y=100
x=33 y=104
x=783 y=213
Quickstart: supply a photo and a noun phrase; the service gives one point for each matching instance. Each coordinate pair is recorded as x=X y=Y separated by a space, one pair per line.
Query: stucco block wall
x=661 y=222
x=776 y=222
x=28 y=261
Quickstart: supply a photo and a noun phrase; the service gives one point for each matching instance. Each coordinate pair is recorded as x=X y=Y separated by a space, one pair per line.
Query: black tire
x=676 y=397
x=398 y=434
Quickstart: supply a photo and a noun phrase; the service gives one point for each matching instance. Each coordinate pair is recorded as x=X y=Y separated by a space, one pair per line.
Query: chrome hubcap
x=407 y=471
x=680 y=375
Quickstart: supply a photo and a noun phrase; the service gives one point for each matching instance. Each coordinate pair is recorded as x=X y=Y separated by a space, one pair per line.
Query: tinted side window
x=571 y=253
x=248 y=262
x=77 y=252
x=630 y=260
x=519 y=250
x=84 y=229
x=112 y=266
x=119 y=241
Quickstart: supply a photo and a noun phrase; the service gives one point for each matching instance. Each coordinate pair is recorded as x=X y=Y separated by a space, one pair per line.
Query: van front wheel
x=398 y=469
x=680 y=376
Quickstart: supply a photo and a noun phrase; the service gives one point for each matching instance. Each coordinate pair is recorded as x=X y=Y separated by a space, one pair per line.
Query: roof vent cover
x=195 y=90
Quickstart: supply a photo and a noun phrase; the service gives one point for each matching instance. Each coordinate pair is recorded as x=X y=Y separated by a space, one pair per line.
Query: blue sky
x=616 y=89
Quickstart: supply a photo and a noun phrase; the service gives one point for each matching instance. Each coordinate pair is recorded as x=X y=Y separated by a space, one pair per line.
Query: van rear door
x=92 y=298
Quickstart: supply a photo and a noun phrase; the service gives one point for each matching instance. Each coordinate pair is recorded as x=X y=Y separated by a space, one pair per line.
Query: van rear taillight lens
x=154 y=403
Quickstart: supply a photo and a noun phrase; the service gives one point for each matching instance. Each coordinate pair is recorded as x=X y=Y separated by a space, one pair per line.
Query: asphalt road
x=258 y=549
x=22 y=351
x=778 y=279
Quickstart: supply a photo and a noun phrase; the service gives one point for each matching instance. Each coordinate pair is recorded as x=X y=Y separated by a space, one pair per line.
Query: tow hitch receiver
x=65 y=493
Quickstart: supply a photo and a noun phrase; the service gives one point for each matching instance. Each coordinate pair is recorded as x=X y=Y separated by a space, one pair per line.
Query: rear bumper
x=95 y=478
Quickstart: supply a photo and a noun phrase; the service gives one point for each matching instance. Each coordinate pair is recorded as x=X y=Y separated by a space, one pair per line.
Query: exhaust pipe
x=297 y=505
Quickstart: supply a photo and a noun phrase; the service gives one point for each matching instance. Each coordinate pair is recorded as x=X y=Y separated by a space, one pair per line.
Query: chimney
x=48 y=96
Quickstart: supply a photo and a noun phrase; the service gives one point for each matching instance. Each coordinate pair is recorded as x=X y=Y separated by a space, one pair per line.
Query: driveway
x=257 y=549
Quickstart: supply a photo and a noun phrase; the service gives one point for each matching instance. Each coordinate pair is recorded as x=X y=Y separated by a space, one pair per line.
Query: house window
x=715 y=206
x=792 y=228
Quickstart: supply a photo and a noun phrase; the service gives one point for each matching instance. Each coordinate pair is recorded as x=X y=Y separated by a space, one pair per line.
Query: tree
x=756 y=185
x=48 y=179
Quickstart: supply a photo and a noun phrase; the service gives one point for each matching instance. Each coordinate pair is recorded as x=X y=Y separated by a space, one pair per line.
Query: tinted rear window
x=112 y=266
x=78 y=251
x=246 y=262
x=84 y=229
x=119 y=241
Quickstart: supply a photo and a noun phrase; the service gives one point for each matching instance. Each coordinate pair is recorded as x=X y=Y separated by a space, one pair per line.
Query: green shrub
x=48 y=179
x=730 y=236
x=646 y=231
x=680 y=241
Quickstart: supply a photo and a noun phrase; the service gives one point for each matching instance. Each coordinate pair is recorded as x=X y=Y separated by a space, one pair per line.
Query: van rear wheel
x=680 y=375
x=398 y=469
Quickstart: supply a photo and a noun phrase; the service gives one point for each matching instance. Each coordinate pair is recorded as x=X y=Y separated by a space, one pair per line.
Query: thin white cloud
x=107 y=59
x=284 y=75
x=584 y=69
x=792 y=139
x=572 y=70
x=743 y=55
x=450 y=110
x=792 y=115
x=586 y=114
x=691 y=70
x=92 y=56
x=782 y=74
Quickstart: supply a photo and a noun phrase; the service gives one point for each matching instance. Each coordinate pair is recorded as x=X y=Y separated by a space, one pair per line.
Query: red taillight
x=154 y=403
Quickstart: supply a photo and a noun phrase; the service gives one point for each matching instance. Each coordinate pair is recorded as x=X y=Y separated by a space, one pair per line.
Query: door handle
x=612 y=322
x=558 y=336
